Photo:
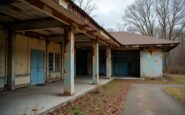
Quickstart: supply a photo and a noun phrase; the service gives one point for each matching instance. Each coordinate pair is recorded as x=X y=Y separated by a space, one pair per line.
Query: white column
x=95 y=60
x=69 y=61
x=108 y=63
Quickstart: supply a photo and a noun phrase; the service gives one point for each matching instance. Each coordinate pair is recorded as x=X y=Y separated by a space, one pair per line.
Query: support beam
x=95 y=60
x=69 y=61
x=11 y=60
x=36 y=24
x=78 y=38
x=108 y=63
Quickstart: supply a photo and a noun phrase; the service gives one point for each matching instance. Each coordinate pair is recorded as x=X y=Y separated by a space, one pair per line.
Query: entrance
x=126 y=63
x=37 y=67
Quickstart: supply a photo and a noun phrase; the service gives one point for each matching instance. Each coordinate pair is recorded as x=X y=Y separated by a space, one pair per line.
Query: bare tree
x=144 y=16
x=111 y=30
x=87 y=5
x=171 y=17
x=140 y=17
x=169 y=21
x=120 y=27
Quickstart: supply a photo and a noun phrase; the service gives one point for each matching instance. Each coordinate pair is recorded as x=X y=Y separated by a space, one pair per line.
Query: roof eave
x=164 y=47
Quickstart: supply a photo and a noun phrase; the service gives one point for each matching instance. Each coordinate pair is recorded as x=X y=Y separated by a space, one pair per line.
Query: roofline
x=167 y=47
x=93 y=21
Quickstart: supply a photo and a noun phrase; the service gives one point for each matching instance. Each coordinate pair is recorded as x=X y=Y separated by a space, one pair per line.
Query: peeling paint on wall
x=151 y=63
x=95 y=58
x=24 y=45
x=69 y=62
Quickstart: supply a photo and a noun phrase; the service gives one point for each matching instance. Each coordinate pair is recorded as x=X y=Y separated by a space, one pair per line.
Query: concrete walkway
x=41 y=98
x=149 y=99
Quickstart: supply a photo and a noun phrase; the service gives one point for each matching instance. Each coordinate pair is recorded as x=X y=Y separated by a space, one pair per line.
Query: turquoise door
x=37 y=67
x=126 y=63
x=122 y=66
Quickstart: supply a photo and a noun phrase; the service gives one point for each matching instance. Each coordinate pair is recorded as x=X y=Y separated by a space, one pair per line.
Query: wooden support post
x=95 y=56
x=108 y=63
x=69 y=43
x=11 y=60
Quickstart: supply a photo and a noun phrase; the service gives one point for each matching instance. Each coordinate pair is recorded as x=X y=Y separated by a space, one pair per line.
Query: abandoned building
x=42 y=41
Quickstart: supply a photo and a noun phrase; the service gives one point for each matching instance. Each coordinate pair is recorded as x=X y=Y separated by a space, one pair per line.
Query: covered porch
x=41 y=42
x=41 y=99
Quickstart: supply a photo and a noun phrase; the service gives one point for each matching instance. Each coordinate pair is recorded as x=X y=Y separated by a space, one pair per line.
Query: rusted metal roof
x=127 y=39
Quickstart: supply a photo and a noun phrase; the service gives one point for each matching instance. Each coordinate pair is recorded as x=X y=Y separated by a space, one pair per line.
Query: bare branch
x=87 y=5
x=140 y=16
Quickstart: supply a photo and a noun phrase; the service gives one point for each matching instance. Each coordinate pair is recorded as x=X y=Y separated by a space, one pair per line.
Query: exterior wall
x=22 y=68
x=24 y=45
x=55 y=49
x=2 y=59
x=151 y=63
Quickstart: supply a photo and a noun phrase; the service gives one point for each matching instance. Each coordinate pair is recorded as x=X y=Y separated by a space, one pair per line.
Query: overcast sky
x=109 y=12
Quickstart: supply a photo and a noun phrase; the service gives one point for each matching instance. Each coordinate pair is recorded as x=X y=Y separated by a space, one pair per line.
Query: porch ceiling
x=14 y=10
x=25 y=16
x=21 y=17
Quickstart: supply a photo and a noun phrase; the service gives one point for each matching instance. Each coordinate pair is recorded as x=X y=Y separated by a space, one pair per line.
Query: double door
x=37 y=67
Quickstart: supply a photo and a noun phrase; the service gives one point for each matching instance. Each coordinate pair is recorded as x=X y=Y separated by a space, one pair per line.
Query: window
x=57 y=62
x=51 y=62
x=54 y=62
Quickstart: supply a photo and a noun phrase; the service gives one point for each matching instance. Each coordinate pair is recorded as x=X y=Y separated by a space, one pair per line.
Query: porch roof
x=136 y=40
x=50 y=17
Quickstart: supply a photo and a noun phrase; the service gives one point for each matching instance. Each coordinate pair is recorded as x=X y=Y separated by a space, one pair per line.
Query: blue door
x=122 y=68
x=37 y=67
x=126 y=63
x=122 y=64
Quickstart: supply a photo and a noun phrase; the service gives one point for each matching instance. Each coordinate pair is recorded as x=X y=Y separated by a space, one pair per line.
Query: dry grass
x=108 y=99
x=104 y=100
x=177 y=92
x=175 y=78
